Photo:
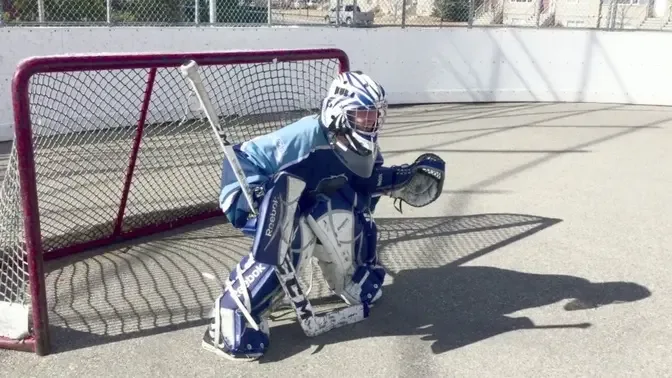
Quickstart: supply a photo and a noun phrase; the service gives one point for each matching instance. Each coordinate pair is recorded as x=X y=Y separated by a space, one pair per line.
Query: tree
x=451 y=10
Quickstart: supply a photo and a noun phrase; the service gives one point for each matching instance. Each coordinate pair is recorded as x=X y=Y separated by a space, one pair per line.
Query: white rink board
x=417 y=65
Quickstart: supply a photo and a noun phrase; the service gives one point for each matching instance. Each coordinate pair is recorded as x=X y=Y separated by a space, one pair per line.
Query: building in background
x=603 y=14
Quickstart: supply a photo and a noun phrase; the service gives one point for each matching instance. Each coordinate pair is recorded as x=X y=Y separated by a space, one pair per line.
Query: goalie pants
x=338 y=231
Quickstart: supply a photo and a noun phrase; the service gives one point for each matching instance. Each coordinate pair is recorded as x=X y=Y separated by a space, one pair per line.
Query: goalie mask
x=353 y=113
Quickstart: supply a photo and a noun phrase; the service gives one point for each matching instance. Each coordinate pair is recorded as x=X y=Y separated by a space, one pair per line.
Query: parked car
x=349 y=15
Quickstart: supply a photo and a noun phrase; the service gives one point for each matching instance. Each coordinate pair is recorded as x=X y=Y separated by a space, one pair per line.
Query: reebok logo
x=272 y=217
x=258 y=271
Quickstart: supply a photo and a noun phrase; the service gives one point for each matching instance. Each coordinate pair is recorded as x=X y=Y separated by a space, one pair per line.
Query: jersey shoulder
x=286 y=146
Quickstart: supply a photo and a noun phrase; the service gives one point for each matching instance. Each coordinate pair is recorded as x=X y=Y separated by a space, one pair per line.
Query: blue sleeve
x=280 y=149
x=229 y=193
x=264 y=156
x=375 y=198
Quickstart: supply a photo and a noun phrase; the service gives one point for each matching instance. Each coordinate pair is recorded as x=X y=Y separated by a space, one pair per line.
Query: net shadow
x=155 y=285
x=139 y=288
x=438 y=299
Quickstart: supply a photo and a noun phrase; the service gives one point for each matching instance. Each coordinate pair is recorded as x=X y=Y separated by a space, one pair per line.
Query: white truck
x=350 y=15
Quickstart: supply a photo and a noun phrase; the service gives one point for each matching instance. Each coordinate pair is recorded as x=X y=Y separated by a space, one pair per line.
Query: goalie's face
x=357 y=147
x=367 y=121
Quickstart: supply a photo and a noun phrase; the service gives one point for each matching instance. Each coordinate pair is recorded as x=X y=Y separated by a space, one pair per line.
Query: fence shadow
x=436 y=298
x=155 y=285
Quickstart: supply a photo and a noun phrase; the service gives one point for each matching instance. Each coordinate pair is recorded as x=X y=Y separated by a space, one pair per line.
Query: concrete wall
x=417 y=65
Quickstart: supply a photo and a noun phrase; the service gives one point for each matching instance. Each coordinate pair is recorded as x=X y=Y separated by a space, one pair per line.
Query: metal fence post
x=213 y=11
x=40 y=11
x=472 y=11
x=338 y=13
x=108 y=7
x=269 y=17
x=197 y=11
x=403 y=13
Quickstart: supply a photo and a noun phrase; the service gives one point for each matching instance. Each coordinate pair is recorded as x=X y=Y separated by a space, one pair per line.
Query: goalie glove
x=417 y=184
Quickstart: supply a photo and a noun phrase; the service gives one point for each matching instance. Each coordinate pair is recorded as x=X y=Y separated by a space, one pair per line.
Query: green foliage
x=22 y=10
x=57 y=10
x=134 y=11
x=451 y=10
x=80 y=10
x=228 y=12
x=244 y=15
x=159 y=11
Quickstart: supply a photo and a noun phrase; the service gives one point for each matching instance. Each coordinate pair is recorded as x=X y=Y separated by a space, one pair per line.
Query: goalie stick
x=190 y=72
x=311 y=323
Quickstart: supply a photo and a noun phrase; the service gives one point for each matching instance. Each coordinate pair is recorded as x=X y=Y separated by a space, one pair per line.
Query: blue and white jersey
x=301 y=149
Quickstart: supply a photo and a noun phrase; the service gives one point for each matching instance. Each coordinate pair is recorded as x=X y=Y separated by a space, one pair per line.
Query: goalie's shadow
x=433 y=297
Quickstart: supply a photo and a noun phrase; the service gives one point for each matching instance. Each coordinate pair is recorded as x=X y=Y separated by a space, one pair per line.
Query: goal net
x=110 y=147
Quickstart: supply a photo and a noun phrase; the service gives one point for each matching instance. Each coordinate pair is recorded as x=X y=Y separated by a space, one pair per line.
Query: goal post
x=110 y=147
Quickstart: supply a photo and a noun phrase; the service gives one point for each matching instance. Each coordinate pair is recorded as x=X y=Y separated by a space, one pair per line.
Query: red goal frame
x=38 y=342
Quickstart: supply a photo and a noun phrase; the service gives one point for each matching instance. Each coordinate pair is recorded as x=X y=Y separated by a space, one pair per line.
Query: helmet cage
x=360 y=127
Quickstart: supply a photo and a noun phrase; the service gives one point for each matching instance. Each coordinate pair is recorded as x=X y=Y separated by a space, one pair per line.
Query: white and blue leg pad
x=277 y=219
x=239 y=320
x=238 y=328
x=347 y=254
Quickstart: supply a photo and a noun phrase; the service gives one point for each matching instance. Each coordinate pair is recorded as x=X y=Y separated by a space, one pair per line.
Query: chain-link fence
x=594 y=14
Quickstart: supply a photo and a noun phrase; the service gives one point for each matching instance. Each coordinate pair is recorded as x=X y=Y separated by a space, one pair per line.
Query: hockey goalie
x=313 y=187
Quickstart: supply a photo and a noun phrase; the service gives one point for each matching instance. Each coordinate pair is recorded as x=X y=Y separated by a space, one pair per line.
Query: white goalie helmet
x=353 y=113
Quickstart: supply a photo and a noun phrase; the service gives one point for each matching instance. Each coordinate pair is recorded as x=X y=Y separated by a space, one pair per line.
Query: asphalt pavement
x=546 y=256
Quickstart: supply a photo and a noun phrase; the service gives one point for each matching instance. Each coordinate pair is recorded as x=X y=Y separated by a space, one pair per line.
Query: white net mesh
x=13 y=265
x=84 y=127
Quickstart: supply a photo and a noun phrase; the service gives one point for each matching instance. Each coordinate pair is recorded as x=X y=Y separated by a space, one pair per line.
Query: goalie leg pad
x=347 y=254
x=238 y=326
x=277 y=219
x=365 y=285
